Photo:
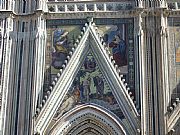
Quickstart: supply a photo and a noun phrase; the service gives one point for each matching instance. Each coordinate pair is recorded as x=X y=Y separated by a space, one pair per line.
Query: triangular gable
x=89 y=87
x=88 y=40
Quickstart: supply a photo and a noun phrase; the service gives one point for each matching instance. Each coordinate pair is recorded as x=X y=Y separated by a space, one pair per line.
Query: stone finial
x=174 y=104
x=70 y=53
x=171 y=132
x=86 y=25
x=50 y=88
x=139 y=131
x=113 y=61
x=68 y=57
x=90 y=20
x=170 y=108
x=130 y=93
x=123 y=80
x=60 y=70
x=82 y=33
x=48 y=93
x=38 y=110
x=84 y=29
x=53 y=83
x=79 y=37
x=55 y=79
x=75 y=45
x=77 y=41
x=118 y=70
x=121 y=76
x=132 y=97
x=116 y=66
x=45 y=97
x=177 y=100
x=73 y=49
x=58 y=74
x=43 y=101
x=63 y=66
x=65 y=61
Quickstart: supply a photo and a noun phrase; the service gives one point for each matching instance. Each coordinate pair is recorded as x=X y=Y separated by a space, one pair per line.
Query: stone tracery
x=87 y=116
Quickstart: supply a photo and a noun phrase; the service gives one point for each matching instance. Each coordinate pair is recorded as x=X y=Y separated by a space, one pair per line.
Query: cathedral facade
x=88 y=67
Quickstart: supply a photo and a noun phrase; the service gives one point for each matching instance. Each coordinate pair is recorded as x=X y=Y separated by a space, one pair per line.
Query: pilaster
x=139 y=68
x=155 y=72
x=40 y=59
x=5 y=65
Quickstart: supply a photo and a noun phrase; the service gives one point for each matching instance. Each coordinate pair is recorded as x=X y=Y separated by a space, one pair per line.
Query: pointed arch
x=89 y=118
x=24 y=6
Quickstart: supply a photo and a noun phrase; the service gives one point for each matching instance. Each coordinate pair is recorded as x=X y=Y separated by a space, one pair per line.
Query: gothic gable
x=89 y=39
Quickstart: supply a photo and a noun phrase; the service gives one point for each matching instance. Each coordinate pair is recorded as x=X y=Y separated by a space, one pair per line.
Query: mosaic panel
x=60 y=40
x=89 y=86
x=120 y=42
x=174 y=56
x=117 y=33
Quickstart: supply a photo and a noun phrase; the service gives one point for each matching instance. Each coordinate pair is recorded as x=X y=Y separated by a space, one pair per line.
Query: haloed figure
x=99 y=84
x=60 y=45
x=119 y=50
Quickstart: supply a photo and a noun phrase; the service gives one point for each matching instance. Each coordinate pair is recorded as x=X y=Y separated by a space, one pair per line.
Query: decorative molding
x=106 y=120
x=90 y=6
x=175 y=116
x=82 y=15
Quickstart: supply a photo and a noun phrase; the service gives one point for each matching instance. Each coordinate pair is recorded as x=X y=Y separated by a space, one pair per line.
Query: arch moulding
x=88 y=118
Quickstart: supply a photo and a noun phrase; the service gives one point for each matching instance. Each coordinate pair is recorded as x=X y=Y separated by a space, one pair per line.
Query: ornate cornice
x=5 y=14
x=82 y=15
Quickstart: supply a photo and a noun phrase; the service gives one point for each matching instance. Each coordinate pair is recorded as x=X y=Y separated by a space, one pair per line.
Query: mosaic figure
x=119 y=50
x=68 y=104
x=99 y=84
x=90 y=65
x=60 y=45
x=86 y=88
x=82 y=91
